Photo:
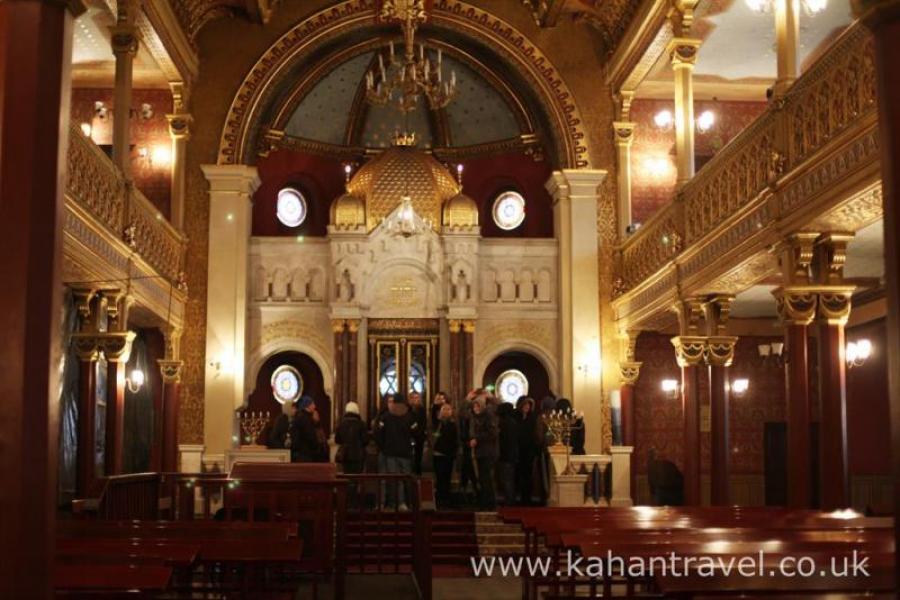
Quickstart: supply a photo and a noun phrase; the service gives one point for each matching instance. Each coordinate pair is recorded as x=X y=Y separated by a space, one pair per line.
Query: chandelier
x=402 y=80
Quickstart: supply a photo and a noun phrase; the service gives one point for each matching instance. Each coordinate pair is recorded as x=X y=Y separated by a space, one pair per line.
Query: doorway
x=403 y=358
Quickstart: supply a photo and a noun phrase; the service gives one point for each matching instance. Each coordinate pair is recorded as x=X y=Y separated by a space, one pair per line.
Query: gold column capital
x=630 y=372
x=337 y=325
x=353 y=325
x=468 y=326
x=796 y=305
x=795 y=255
x=116 y=345
x=835 y=303
x=720 y=350
x=624 y=133
x=171 y=370
x=85 y=345
x=180 y=125
x=683 y=52
x=690 y=350
x=454 y=325
x=124 y=38
x=831 y=256
x=717 y=311
x=689 y=313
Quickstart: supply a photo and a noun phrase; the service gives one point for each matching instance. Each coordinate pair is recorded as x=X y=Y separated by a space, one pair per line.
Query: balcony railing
x=834 y=95
x=95 y=184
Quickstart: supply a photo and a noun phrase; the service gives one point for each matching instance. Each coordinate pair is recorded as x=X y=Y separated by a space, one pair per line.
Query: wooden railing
x=94 y=183
x=831 y=97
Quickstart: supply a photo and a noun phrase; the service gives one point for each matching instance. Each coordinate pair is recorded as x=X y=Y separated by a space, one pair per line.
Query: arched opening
x=312 y=384
x=502 y=374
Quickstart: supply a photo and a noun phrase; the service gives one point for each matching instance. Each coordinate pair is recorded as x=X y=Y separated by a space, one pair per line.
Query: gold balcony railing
x=95 y=184
x=833 y=96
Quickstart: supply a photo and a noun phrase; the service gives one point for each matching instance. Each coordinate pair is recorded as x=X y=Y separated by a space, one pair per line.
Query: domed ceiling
x=332 y=112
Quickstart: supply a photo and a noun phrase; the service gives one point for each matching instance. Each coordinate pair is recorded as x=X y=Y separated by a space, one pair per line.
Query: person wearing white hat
x=351 y=437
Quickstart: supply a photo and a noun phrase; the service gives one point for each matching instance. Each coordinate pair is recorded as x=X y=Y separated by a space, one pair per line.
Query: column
x=35 y=62
x=230 y=213
x=116 y=348
x=719 y=356
x=574 y=195
x=125 y=39
x=352 y=362
x=88 y=355
x=624 y=132
x=683 y=52
x=171 y=376
x=787 y=30
x=457 y=393
x=689 y=355
x=468 y=355
x=180 y=132
x=882 y=17
x=629 y=371
x=832 y=314
x=338 y=329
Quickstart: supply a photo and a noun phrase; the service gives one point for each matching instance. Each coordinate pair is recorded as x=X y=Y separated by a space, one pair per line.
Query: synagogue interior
x=354 y=298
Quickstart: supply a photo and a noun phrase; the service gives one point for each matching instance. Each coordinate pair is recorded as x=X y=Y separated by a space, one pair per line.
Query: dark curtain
x=68 y=403
x=139 y=414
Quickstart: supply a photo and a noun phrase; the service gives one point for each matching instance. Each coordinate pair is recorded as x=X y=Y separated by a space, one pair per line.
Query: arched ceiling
x=334 y=112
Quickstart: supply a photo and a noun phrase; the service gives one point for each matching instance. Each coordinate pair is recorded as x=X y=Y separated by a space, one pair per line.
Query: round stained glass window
x=511 y=385
x=291 y=207
x=287 y=384
x=509 y=210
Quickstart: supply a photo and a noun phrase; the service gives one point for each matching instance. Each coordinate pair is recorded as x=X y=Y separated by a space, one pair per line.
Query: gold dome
x=348 y=212
x=399 y=171
x=460 y=212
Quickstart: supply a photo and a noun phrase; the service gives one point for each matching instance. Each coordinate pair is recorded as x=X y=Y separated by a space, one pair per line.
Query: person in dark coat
x=545 y=440
x=466 y=465
x=304 y=441
x=351 y=437
x=420 y=415
x=528 y=448
x=576 y=441
x=440 y=399
x=484 y=443
x=445 y=447
x=278 y=433
x=509 y=451
x=395 y=433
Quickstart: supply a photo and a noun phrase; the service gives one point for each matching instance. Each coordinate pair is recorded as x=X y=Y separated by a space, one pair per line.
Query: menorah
x=561 y=424
x=252 y=424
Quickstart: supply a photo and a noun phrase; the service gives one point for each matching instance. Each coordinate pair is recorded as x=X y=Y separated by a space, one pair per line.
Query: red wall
x=153 y=178
x=868 y=413
x=649 y=189
x=322 y=180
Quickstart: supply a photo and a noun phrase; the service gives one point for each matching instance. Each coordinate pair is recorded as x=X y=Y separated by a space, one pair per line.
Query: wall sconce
x=670 y=387
x=664 y=119
x=657 y=167
x=775 y=351
x=739 y=387
x=705 y=121
x=858 y=352
x=87 y=129
x=810 y=7
x=145 y=112
x=135 y=381
x=101 y=111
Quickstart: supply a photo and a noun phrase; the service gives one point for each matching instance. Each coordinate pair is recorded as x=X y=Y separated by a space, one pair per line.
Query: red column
x=456 y=391
x=468 y=346
x=833 y=460
x=115 y=416
x=340 y=398
x=720 y=494
x=884 y=20
x=626 y=409
x=690 y=405
x=171 y=377
x=87 y=411
x=798 y=423
x=352 y=362
x=35 y=59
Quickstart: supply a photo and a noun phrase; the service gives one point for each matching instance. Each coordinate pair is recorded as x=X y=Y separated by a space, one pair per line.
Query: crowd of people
x=499 y=450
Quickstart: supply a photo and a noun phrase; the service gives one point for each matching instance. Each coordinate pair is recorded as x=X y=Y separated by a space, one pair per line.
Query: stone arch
x=261 y=354
x=520 y=345
x=238 y=139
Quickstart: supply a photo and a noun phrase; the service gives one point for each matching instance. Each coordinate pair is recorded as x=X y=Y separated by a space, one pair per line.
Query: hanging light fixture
x=403 y=79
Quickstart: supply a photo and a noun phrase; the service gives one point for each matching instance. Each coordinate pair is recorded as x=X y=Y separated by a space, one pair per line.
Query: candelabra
x=252 y=424
x=409 y=76
x=561 y=425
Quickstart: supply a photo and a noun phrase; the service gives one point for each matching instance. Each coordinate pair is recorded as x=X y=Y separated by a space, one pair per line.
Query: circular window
x=287 y=384
x=291 y=207
x=511 y=385
x=509 y=210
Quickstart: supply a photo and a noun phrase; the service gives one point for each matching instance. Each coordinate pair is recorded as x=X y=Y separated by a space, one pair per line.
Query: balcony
x=109 y=224
x=809 y=162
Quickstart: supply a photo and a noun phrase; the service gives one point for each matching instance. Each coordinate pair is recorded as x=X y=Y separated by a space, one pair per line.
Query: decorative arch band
x=332 y=23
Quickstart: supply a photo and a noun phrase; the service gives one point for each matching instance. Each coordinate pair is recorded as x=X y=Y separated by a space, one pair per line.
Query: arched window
x=511 y=385
x=509 y=210
x=291 y=208
x=287 y=384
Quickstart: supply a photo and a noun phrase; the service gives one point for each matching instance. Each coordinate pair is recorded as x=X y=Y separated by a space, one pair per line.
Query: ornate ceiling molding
x=610 y=18
x=243 y=120
x=194 y=15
